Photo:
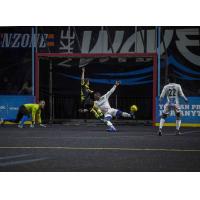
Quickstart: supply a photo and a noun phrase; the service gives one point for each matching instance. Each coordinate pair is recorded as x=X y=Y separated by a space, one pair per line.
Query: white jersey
x=103 y=103
x=172 y=91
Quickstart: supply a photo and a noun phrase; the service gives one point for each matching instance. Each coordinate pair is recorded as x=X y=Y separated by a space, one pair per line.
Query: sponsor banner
x=9 y=105
x=184 y=41
x=25 y=40
x=190 y=113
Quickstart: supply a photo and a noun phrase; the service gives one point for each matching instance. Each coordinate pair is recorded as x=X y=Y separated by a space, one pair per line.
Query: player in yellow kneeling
x=28 y=112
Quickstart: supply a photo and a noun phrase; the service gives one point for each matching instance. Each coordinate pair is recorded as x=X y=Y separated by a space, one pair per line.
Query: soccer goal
x=57 y=80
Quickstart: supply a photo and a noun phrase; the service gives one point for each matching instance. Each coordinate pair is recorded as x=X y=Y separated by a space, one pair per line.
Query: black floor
x=90 y=148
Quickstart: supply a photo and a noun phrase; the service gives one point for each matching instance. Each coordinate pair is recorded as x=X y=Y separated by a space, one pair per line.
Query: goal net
x=58 y=81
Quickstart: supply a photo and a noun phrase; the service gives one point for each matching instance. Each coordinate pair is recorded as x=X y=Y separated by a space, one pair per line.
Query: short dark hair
x=171 y=79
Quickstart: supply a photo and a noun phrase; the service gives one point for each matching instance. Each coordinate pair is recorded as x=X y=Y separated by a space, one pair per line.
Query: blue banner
x=190 y=113
x=9 y=105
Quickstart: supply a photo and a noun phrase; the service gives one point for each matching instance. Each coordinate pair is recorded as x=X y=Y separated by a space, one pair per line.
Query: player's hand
x=42 y=125
x=117 y=83
x=83 y=69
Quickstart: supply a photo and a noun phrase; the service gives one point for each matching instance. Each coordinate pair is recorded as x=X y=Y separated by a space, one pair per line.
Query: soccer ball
x=133 y=108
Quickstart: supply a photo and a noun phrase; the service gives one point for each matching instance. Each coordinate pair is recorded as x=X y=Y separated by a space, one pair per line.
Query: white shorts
x=111 y=112
x=170 y=106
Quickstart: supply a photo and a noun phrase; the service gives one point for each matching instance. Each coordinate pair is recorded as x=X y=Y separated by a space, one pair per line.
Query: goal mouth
x=140 y=62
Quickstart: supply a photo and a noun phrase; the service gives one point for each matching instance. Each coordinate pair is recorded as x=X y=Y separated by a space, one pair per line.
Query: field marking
x=182 y=124
x=106 y=149
x=116 y=136
x=18 y=162
x=113 y=136
x=189 y=132
x=14 y=156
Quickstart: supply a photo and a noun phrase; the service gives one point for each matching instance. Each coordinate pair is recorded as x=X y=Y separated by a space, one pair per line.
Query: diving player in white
x=172 y=91
x=102 y=103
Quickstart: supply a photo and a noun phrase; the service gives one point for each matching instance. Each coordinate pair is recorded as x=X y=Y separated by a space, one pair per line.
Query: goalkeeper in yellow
x=87 y=102
x=28 y=112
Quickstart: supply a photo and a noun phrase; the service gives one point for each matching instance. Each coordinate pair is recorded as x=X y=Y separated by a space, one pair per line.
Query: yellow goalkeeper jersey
x=35 y=111
x=85 y=91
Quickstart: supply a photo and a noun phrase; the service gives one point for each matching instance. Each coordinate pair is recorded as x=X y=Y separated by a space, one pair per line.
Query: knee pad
x=119 y=113
x=164 y=116
x=108 y=117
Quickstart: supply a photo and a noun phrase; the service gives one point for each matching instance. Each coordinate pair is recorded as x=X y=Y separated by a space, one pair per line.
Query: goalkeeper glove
x=32 y=126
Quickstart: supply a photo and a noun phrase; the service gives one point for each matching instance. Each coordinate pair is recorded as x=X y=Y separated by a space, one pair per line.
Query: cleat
x=1 y=121
x=20 y=126
x=178 y=132
x=160 y=132
x=132 y=115
x=111 y=129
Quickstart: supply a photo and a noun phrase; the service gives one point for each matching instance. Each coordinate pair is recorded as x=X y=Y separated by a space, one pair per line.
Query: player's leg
x=119 y=113
x=114 y=113
x=22 y=116
x=163 y=117
x=83 y=107
x=100 y=116
x=124 y=114
x=94 y=110
x=107 y=121
x=19 y=116
x=178 y=119
x=23 y=120
x=98 y=111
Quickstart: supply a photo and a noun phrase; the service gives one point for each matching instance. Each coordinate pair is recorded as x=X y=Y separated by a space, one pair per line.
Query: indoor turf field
x=88 y=147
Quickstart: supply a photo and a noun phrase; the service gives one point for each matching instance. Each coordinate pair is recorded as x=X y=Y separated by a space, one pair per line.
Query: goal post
x=152 y=56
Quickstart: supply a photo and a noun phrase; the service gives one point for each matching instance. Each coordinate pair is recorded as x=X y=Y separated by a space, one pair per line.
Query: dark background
x=16 y=63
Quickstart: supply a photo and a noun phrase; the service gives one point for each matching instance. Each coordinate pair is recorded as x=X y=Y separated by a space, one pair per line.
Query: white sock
x=124 y=114
x=109 y=123
x=162 y=121
x=178 y=124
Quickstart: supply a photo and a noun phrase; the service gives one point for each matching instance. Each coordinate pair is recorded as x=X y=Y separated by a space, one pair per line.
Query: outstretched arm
x=112 y=89
x=83 y=75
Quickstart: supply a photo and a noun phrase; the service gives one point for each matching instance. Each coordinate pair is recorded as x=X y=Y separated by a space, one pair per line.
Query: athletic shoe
x=160 y=132
x=112 y=129
x=1 y=121
x=178 y=132
x=20 y=126
x=132 y=115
